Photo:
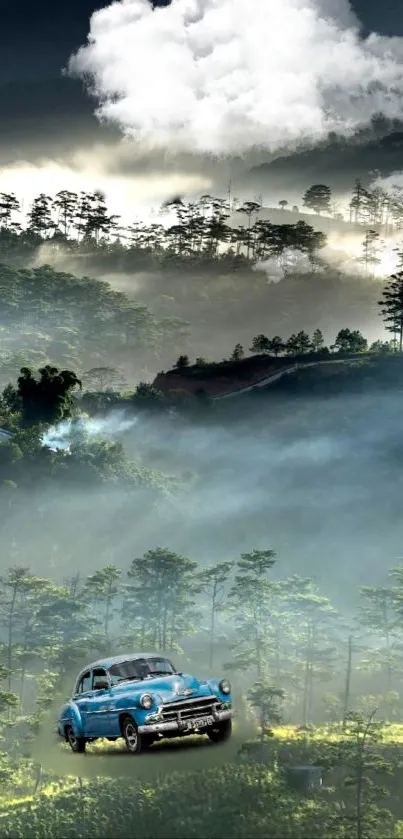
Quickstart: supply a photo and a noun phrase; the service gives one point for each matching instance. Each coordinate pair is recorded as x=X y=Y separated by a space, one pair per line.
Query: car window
x=85 y=683
x=99 y=678
x=124 y=670
x=139 y=668
x=160 y=665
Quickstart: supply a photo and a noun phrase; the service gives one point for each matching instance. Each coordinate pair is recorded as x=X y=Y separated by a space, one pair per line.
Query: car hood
x=168 y=688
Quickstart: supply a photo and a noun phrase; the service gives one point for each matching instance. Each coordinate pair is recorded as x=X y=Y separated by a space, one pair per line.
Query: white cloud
x=229 y=76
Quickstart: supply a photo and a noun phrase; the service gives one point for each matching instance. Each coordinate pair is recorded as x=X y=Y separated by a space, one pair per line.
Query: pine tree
x=318 y=198
x=370 y=248
x=318 y=340
x=238 y=353
x=40 y=220
x=391 y=304
x=65 y=204
x=9 y=204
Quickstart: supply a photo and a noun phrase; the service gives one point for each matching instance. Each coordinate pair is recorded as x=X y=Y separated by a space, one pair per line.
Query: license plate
x=200 y=722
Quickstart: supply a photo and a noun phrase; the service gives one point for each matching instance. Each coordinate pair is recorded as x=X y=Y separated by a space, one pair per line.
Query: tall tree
x=358 y=203
x=350 y=341
x=65 y=204
x=238 y=353
x=370 y=248
x=40 y=220
x=102 y=588
x=299 y=344
x=46 y=398
x=318 y=197
x=276 y=345
x=303 y=342
x=63 y=631
x=292 y=345
x=365 y=771
x=391 y=304
x=377 y=613
x=9 y=205
x=160 y=598
x=14 y=586
x=215 y=229
x=314 y=640
x=213 y=583
x=249 y=208
x=318 y=342
x=251 y=598
x=260 y=344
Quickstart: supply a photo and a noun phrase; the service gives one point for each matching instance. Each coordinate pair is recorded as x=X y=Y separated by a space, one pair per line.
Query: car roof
x=116 y=659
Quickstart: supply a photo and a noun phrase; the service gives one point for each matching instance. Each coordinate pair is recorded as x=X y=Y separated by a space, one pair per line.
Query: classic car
x=142 y=698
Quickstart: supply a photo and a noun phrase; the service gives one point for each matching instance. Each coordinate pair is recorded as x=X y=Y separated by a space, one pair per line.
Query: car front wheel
x=135 y=742
x=220 y=732
x=77 y=744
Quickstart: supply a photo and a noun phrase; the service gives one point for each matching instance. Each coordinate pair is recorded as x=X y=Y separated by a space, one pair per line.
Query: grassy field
x=176 y=755
x=196 y=790
x=391 y=733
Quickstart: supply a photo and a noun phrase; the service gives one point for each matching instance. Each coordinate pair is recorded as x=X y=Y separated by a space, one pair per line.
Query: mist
x=200 y=416
x=216 y=306
x=317 y=481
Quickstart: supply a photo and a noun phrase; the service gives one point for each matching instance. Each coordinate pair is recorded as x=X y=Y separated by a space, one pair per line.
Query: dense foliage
x=290 y=651
x=54 y=316
x=207 y=256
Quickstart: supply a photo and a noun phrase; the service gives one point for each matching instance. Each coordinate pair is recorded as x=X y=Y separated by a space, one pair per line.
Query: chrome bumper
x=179 y=725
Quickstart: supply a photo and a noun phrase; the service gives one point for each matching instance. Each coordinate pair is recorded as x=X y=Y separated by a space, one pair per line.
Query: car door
x=100 y=704
x=82 y=698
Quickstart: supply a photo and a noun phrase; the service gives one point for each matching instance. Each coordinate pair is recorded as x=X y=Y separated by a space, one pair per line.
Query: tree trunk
x=307 y=677
x=277 y=658
x=212 y=625
x=346 y=699
x=359 y=797
x=10 y=637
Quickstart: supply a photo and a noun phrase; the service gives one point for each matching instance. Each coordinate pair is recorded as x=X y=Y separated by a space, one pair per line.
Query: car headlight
x=146 y=701
x=225 y=686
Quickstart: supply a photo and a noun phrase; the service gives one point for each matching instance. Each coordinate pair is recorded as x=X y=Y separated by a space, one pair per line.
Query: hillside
x=325 y=223
x=360 y=375
x=223 y=378
x=337 y=164
x=308 y=374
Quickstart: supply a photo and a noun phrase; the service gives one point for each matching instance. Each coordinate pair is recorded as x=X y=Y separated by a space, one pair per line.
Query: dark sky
x=39 y=111
x=37 y=36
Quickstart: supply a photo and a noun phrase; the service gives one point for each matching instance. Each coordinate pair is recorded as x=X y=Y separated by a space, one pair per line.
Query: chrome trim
x=115 y=710
x=174 y=725
x=211 y=697
x=102 y=711
x=189 y=709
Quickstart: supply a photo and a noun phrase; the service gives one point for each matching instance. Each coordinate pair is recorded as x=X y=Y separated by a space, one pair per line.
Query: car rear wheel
x=77 y=744
x=220 y=732
x=135 y=742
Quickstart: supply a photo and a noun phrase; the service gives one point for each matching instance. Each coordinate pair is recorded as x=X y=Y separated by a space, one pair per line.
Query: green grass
x=234 y=798
x=11 y=799
x=48 y=791
x=391 y=733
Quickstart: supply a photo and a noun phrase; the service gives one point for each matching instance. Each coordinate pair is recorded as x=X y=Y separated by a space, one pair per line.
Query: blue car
x=142 y=698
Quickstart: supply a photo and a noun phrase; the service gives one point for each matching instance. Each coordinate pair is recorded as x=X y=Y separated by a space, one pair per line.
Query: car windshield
x=140 y=668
